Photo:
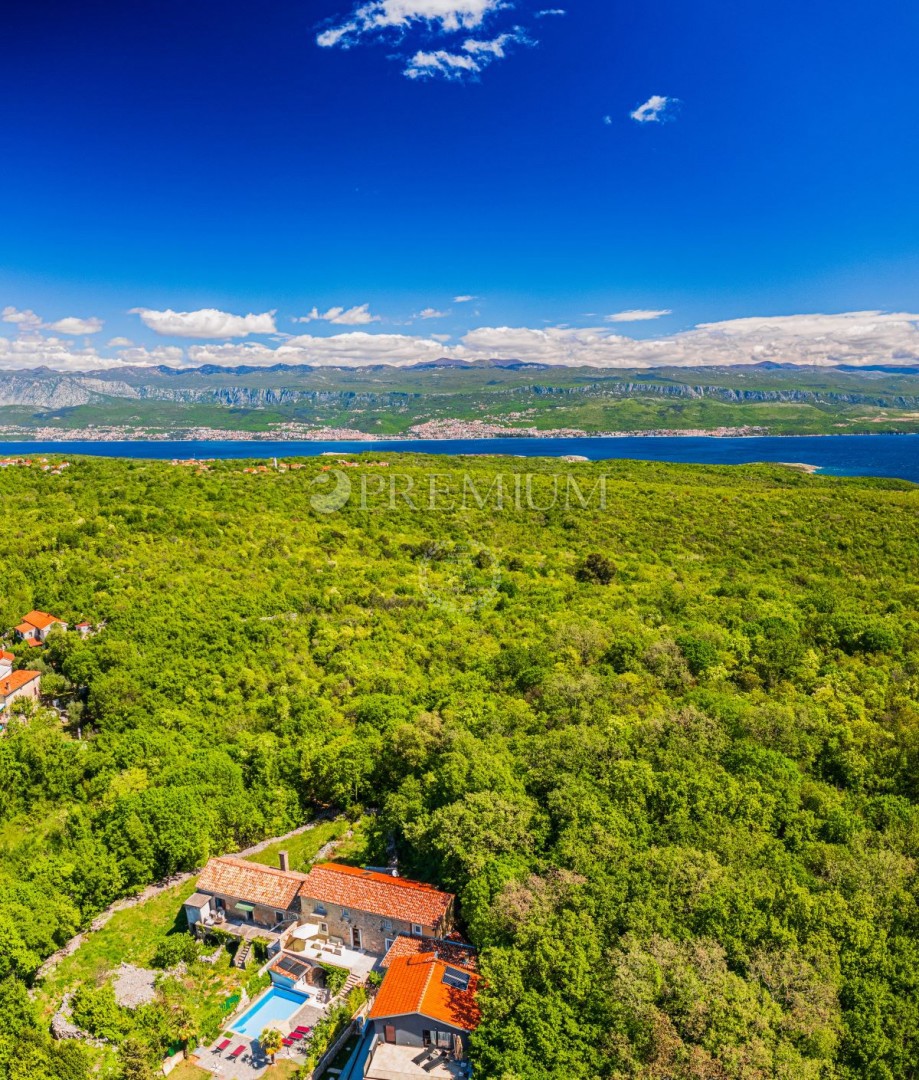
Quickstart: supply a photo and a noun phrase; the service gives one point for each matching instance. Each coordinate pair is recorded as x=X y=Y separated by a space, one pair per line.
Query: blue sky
x=291 y=158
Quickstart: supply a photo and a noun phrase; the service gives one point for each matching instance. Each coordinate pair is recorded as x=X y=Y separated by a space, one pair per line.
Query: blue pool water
x=845 y=455
x=278 y=1005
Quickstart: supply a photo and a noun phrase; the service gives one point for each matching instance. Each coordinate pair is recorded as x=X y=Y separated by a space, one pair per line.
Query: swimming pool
x=278 y=1005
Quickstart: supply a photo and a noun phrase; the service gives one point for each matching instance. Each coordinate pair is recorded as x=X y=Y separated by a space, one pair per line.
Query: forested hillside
x=666 y=751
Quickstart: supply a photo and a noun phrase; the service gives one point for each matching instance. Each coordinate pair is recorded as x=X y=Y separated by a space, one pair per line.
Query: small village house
x=15 y=685
x=36 y=626
x=424 y=1001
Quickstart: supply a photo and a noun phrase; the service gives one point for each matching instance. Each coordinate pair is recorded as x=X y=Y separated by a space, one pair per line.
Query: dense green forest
x=665 y=750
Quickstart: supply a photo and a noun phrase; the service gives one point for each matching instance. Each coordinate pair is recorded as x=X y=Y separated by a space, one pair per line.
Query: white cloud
x=857 y=338
x=607 y=120
x=638 y=315
x=654 y=110
x=354 y=348
x=165 y=355
x=425 y=65
x=76 y=326
x=341 y=316
x=466 y=299
x=550 y=11
x=206 y=323
x=120 y=343
x=429 y=19
x=25 y=320
x=476 y=55
x=441 y=337
x=431 y=313
x=72 y=325
x=442 y=15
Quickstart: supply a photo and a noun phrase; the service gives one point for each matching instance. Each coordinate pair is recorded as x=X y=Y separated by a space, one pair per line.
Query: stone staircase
x=350 y=983
x=242 y=954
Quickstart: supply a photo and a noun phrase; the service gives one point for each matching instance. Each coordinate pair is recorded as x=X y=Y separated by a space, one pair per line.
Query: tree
x=271 y=1041
x=135 y=1060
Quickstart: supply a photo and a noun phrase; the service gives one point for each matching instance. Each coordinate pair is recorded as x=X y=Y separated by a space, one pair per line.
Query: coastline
x=199 y=435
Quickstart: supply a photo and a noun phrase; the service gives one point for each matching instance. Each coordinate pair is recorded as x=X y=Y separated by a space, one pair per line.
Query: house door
x=355 y=937
x=389 y=1033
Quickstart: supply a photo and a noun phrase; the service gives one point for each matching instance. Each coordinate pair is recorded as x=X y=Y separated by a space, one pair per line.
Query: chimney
x=284 y=861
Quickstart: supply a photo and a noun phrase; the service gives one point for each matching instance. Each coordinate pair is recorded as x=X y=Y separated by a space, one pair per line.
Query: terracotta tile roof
x=6 y=655
x=25 y=629
x=251 y=882
x=415 y=984
x=455 y=953
x=41 y=619
x=377 y=893
x=17 y=681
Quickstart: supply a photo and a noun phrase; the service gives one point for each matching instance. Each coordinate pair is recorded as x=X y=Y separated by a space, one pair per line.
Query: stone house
x=362 y=909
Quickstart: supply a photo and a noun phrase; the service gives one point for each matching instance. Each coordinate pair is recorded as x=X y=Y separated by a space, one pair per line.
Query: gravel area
x=134 y=986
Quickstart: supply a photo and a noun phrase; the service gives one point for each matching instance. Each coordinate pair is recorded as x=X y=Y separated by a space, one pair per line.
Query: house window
x=388 y=943
x=279 y=916
x=387 y=926
x=319 y=909
x=346 y=913
x=221 y=905
x=417 y=930
x=324 y=927
x=444 y=1040
x=459 y=980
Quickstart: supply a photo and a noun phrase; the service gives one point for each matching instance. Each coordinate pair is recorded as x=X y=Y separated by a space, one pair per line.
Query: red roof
x=377 y=893
x=41 y=620
x=455 y=952
x=416 y=985
x=17 y=681
x=6 y=656
x=250 y=882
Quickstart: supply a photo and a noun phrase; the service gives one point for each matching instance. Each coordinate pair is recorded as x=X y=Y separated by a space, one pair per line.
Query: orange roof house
x=237 y=879
x=35 y=626
x=423 y=989
x=378 y=893
x=17 y=684
x=453 y=951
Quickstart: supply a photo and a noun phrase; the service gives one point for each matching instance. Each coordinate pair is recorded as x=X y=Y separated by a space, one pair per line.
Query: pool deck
x=252 y=1063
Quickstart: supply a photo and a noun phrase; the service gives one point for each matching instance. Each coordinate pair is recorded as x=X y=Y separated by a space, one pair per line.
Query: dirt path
x=154 y=890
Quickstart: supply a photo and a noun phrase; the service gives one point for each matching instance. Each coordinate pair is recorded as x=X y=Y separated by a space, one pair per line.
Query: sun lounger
x=238 y=1052
x=288 y=1042
x=219 y=1049
x=303 y=1029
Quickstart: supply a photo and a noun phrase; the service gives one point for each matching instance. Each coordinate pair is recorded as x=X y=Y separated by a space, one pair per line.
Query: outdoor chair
x=288 y=1042
x=238 y=1052
x=219 y=1049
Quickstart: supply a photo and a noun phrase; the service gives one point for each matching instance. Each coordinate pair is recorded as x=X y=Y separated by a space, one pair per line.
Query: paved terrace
x=412 y=1063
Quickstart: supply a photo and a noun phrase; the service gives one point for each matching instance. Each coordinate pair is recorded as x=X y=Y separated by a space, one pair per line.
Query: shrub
x=335 y=978
x=257 y=984
x=177 y=949
x=596 y=568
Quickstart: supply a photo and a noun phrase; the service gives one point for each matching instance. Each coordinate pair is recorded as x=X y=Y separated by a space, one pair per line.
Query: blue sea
x=841 y=455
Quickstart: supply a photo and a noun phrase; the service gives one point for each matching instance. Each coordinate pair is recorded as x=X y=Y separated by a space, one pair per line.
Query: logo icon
x=335 y=490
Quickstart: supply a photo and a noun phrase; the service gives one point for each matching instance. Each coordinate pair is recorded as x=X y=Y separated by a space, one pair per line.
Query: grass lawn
x=131 y=936
x=187 y=1070
x=303 y=849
